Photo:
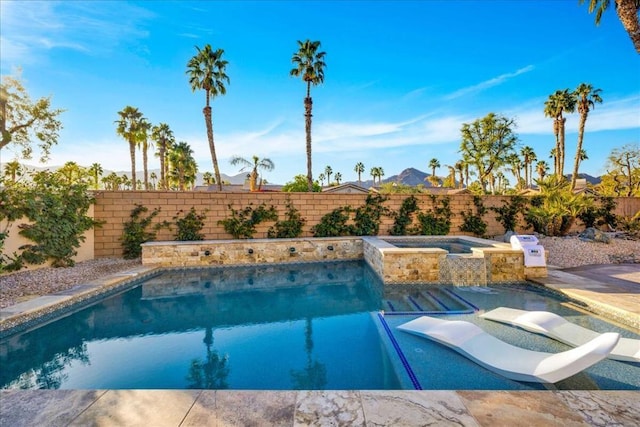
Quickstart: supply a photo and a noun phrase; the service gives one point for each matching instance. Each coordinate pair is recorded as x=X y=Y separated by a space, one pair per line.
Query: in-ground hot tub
x=458 y=260
x=453 y=245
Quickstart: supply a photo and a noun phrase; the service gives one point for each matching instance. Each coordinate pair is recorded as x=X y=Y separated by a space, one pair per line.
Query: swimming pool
x=294 y=326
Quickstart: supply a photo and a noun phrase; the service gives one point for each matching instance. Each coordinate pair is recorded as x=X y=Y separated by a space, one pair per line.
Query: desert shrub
x=57 y=210
x=403 y=219
x=472 y=221
x=290 y=227
x=600 y=213
x=507 y=214
x=334 y=223
x=135 y=231
x=190 y=225
x=437 y=220
x=368 y=216
x=242 y=223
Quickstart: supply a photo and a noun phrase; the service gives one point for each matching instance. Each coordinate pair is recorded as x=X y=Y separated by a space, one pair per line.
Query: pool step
x=427 y=301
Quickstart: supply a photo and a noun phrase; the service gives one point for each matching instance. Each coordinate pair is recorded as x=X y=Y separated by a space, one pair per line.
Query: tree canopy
x=486 y=144
x=23 y=121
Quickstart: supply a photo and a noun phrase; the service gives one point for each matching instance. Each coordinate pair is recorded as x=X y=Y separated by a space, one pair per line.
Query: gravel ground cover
x=564 y=252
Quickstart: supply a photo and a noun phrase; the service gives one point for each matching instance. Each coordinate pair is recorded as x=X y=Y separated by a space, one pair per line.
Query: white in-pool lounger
x=513 y=362
x=558 y=328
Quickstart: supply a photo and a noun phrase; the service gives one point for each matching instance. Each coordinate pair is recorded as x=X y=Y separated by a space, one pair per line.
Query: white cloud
x=610 y=115
x=488 y=83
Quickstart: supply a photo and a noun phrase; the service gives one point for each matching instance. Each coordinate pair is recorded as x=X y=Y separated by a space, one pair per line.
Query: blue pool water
x=453 y=246
x=304 y=326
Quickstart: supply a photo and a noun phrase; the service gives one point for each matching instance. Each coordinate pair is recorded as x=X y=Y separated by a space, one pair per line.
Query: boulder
x=592 y=234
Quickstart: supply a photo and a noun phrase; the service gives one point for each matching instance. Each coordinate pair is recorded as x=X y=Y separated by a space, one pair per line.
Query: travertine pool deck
x=609 y=290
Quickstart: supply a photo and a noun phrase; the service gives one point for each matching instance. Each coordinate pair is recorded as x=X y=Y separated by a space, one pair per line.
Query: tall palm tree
x=13 y=170
x=183 y=166
x=434 y=164
x=255 y=163
x=559 y=102
x=164 y=139
x=95 y=170
x=459 y=167
x=321 y=178
x=528 y=157
x=541 y=168
x=586 y=97
x=359 y=169
x=515 y=165
x=143 y=142
x=627 y=13
x=328 y=171
x=153 y=177
x=374 y=172
x=380 y=174
x=309 y=65
x=338 y=177
x=207 y=72
x=127 y=128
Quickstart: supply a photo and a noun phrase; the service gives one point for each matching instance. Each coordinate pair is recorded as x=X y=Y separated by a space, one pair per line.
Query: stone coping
x=173 y=408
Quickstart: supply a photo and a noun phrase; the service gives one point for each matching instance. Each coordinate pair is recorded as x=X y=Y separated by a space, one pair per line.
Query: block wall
x=114 y=209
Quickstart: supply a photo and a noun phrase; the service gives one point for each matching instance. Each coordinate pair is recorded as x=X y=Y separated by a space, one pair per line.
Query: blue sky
x=401 y=78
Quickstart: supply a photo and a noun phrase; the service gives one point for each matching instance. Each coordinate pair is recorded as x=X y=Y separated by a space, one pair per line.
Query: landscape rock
x=594 y=235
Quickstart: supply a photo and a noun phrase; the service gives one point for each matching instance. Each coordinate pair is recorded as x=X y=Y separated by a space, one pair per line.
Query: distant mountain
x=409 y=176
x=232 y=179
x=593 y=180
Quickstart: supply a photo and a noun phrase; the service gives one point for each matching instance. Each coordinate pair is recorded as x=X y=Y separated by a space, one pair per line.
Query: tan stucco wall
x=15 y=240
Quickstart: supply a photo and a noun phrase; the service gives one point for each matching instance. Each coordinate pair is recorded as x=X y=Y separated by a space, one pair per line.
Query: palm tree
x=559 y=102
x=255 y=164
x=183 y=166
x=321 y=178
x=12 y=169
x=501 y=179
x=207 y=72
x=515 y=165
x=127 y=128
x=125 y=182
x=359 y=169
x=72 y=173
x=338 y=177
x=541 y=168
x=528 y=157
x=451 y=178
x=374 y=172
x=153 y=177
x=627 y=13
x=95 y=170
x=328 y=171
x=434 y=164
x=586 y=97
x=143 y=142
x=208 y=178
x=164 y=139
x=111 y=182
x=309 y=65
x=459 y=167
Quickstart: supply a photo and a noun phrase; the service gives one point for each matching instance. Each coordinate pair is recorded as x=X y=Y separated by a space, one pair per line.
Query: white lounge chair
x=513 y=362
x=558 y=328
